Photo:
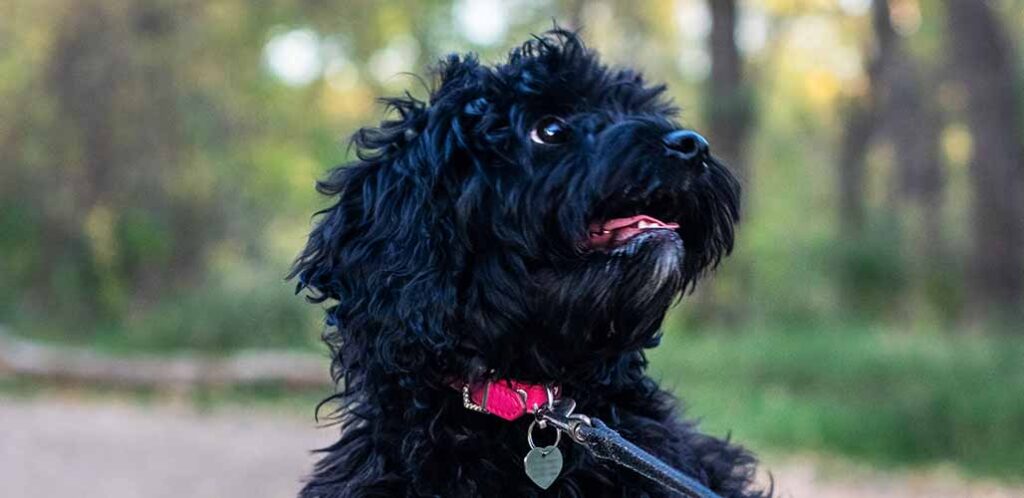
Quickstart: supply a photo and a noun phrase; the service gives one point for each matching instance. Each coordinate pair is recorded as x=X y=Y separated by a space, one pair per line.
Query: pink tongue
x=616 y=231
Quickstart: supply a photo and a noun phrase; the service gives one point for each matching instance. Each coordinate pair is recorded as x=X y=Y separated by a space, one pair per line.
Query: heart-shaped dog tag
x=543 y=465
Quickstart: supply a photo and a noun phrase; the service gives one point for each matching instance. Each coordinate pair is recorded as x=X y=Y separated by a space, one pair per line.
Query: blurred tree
x=729 y=105
x=897 y=108
x=983 y=58
x=729 y=113
x=861 y=120
x=123 y=139
x=113 y=71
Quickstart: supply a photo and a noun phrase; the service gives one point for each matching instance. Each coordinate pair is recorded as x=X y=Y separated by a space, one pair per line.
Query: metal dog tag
x=543 y=465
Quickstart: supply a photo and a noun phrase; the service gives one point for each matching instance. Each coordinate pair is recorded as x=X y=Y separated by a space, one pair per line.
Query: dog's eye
x=550 y=130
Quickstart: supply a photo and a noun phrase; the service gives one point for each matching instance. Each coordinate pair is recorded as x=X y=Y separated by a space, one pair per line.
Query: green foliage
x=219 y=317
x=872 y=271
x=880 y=395
x=242 y=309
x=18 y=263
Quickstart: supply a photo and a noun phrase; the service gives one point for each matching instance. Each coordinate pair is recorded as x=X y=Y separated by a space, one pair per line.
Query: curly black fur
x=453 y=251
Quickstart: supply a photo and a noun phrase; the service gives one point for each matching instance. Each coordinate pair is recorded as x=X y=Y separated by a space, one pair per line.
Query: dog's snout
x=687 y=145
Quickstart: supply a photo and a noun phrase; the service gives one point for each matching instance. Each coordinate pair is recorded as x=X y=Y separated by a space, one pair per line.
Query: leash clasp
x=559 y=415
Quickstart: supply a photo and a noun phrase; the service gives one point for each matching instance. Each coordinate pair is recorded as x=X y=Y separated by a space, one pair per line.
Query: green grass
x=218 y=317
x=885 y=397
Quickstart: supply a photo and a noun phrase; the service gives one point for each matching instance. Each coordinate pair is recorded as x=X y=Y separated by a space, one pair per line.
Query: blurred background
x=157 y=162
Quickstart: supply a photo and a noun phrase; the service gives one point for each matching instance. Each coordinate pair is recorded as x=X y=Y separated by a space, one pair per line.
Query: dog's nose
x=688 y=145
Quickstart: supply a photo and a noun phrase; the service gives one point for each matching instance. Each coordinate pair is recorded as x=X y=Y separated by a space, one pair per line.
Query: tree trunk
x=85 y=66
x=729 y=106
x=857 y=133
x=911 y=121
x=896 y=109
x=862 y=120
x=728 y=111
x=982 y=59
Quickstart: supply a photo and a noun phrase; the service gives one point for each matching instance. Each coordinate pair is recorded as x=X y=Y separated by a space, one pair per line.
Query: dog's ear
x=461 y=115
x=388 y=250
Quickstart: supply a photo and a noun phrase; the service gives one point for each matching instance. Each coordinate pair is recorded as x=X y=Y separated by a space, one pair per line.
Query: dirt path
x=56 y=447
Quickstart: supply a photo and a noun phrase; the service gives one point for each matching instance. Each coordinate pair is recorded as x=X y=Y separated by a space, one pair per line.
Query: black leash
x=605 y=443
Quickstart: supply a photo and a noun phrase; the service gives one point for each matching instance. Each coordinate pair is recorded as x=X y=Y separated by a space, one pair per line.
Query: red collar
x=508 y=399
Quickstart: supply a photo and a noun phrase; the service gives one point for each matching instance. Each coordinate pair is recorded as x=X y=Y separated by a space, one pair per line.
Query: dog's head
x=536 y=217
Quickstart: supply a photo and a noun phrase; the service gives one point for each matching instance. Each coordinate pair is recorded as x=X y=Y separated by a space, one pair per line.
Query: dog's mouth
x=612 y=233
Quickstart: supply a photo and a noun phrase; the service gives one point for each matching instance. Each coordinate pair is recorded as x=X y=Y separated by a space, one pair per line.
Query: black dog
x=530 y=225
